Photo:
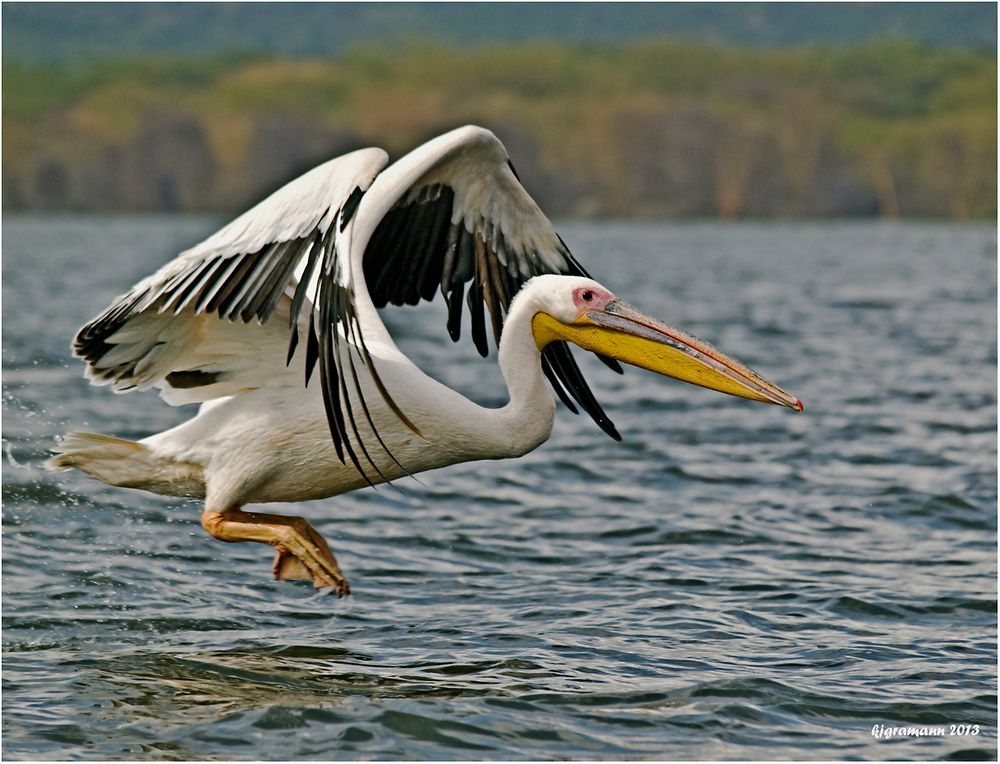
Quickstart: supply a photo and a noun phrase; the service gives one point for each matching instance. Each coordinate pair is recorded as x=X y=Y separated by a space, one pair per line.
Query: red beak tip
x=798 y=405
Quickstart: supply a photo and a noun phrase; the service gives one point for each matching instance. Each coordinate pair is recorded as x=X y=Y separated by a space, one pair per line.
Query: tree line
x=649 y=129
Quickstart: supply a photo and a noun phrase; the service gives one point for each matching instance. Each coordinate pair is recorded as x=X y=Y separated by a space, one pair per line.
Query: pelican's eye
x=586 y=300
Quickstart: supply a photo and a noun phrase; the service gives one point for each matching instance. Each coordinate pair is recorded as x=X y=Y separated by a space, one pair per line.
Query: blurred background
x=731 y=582
x=608 y=110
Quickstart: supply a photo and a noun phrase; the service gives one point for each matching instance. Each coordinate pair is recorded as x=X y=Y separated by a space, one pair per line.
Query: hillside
x=654 y=128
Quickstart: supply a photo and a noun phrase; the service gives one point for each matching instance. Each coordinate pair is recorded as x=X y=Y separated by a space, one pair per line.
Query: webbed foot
x=302 y=553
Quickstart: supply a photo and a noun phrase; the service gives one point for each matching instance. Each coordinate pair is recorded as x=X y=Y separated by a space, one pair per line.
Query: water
x=732 y=581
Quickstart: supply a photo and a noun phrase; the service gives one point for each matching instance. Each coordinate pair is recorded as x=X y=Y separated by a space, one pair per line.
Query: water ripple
x=730 y=582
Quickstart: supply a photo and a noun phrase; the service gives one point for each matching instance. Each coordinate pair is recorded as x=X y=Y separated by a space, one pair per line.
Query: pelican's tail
x=125 y=463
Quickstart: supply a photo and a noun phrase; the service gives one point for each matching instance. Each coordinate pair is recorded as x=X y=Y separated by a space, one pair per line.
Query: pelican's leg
x=302 y=552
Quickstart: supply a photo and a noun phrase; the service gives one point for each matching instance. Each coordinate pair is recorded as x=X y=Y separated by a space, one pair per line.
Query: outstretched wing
x=452 y=216
x=323 y=253
x=166 y=331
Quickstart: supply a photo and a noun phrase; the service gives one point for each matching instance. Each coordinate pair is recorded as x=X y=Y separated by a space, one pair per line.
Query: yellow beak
x=623 y=333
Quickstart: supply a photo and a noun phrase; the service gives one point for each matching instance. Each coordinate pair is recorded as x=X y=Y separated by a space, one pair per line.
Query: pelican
x=244 y=323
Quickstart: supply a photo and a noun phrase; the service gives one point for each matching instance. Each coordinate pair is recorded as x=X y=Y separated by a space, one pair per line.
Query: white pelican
x=240 y=322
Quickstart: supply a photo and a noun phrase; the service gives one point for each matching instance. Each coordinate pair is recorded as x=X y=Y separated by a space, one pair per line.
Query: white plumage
x=272 y=324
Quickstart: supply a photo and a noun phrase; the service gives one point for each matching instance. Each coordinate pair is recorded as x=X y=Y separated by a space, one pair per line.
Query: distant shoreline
x=649 y=130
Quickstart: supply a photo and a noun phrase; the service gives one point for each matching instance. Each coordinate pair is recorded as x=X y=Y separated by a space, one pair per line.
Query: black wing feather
x=416 y=250
x=474 y=299
x=237 y=287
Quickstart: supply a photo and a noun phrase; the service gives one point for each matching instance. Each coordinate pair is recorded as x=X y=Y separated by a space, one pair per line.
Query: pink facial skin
x=587 y=299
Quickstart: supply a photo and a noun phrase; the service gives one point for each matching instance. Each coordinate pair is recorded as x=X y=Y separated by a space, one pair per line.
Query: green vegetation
x=651 y=128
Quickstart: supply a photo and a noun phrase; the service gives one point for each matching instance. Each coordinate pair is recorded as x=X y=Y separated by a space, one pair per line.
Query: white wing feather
x=449 y=214
x=163 y=326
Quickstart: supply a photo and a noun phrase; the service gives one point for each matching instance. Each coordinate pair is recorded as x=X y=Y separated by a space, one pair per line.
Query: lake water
x=732 y=581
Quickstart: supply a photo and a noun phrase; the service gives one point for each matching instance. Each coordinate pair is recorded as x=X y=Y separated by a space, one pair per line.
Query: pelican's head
x=585 y=313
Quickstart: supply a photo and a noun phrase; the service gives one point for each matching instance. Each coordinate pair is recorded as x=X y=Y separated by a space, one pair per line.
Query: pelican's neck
x=529 y=414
